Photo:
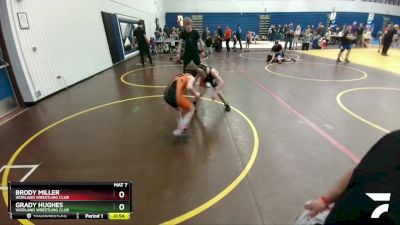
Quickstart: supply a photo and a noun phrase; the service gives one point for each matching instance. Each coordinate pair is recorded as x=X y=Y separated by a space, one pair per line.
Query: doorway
x=10 y=98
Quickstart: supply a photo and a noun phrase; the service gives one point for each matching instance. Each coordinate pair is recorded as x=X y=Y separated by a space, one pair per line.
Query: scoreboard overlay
x=70 y=200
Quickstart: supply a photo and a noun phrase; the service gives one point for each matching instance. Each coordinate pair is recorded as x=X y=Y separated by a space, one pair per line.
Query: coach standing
x=140 y=40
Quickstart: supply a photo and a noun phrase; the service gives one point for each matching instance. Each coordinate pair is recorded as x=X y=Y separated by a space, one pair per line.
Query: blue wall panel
x=5 y=85
x=348 y=18
x=378 y=23
x=298 y=18
x=395 y=19
x=247 y=21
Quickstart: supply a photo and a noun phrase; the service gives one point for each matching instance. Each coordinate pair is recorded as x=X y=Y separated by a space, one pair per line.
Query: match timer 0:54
x=70 y=200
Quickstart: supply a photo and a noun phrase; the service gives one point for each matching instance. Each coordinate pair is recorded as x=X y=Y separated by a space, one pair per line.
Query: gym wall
x=251 y=21
x=271 y=6
x=303 y=12
x=65 y=37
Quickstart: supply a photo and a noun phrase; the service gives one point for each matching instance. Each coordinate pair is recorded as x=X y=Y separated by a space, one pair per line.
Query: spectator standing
x=297 y=34
x=205 y=34
x=395 y=40
x=273 y=33
x=158 y=33
x=306 y=39
x=289 y=36
x=354 y=29
x=278 y=32
x=248 y=40
x=398 y=36
x=219 y=31
x=380 y=39
x=192 y=41
x=360 y=33
x=234 y=37
x=142 y=42
x=388 y=38
x=367 y=36
x=284 y=30
x=239 y=35
x=320 y=29
x=228 y=36
x=167 y=31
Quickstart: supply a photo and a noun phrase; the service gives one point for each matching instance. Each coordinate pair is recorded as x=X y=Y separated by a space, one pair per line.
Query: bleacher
x=391 y=2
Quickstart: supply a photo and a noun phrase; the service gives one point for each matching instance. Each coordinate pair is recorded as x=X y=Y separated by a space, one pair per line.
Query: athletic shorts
x=345 y=46
x=175 y=99
x=213 y=82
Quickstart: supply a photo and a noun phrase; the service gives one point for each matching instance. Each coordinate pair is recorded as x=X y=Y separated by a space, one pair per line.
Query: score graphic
x=66 y=200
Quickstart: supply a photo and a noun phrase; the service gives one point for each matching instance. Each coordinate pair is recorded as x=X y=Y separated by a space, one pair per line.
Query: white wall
x=278 y=6
x=69 y=36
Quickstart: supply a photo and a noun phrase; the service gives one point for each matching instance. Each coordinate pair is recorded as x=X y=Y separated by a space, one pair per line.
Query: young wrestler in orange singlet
x=173 y=95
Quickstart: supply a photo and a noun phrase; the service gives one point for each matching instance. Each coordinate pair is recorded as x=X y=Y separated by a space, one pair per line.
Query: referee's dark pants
x=240 y=41
x=386 y=46
x=187 y=59
x=143 y=53
x=227 y=44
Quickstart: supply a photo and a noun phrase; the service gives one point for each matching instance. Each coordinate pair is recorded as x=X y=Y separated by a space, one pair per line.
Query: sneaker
x=347 y=60
x=227 y=107
x=179 y=132
x=338 y=60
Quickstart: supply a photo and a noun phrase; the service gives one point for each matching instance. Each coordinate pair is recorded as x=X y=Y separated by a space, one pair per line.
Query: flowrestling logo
x=379 y=197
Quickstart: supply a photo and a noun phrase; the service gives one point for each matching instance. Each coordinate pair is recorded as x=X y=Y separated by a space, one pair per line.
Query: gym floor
x=296 y=128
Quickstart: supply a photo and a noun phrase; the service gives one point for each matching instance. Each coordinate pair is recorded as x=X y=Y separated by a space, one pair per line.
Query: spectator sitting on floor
x=218 y=43
x=174 y=35
x=209 y=45
x=152 y=46
x=378 y=172
x=328 y=37
x=316 y=42
x=323 y=43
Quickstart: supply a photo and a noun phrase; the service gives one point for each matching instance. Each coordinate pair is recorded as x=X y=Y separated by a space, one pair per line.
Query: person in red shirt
x=228 y=36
